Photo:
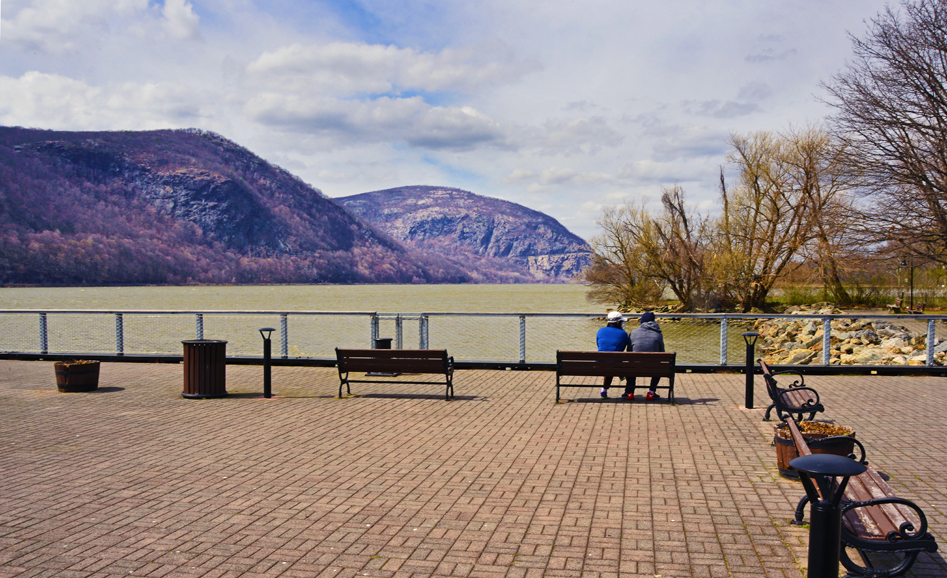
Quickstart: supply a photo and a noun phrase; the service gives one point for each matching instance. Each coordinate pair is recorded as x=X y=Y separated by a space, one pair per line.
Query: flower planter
x=80 y=375
x=811 y=430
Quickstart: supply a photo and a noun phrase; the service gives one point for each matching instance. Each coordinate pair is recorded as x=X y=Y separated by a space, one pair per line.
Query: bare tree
x=767 y=217
x=619 y=272
x=891 y=112
x=677 y=250
x=819 y=171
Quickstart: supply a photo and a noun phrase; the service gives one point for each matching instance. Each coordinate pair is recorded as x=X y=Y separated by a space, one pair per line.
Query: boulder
x=872 y=356
x=801 y=357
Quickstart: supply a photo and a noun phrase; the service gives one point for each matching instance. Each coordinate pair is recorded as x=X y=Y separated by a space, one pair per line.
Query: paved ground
x=134 y=480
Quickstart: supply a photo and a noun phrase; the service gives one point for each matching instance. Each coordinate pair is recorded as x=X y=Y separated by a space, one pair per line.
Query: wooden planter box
x=786 y=449
x=73 y=376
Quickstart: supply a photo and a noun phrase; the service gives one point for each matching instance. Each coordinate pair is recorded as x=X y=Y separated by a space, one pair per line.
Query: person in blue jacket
x=612 y=337
x=647 y=337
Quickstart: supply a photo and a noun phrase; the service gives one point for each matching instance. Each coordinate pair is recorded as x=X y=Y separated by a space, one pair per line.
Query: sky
x=567 y=107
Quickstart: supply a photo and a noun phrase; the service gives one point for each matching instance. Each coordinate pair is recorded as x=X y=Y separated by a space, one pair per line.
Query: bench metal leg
x=768 y=410
x=869 y=570
x=800 y=512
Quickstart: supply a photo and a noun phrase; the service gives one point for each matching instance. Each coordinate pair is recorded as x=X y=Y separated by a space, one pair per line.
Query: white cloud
x=578 y=136
x=58 y=102
x=519 y=175
x=346 y=68
x=347 y=122
x=180 y=20
x=55 y=26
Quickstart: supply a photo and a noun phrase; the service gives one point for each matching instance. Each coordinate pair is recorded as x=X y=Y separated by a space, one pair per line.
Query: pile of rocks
x=853 y=341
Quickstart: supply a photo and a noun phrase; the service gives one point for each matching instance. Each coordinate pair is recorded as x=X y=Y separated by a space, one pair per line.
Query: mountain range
x=189 y=206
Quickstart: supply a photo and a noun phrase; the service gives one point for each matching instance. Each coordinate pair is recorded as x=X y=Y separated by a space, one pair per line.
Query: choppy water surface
x=381 y=298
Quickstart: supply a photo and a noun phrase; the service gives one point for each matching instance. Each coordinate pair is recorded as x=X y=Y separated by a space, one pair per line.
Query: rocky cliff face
x=484 y=231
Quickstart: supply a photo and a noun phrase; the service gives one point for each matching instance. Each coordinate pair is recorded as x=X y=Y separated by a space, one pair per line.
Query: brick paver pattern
x=134 y=480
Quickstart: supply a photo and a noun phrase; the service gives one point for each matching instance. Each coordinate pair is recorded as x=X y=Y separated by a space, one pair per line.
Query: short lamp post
x=817 y=472
x=904 y=263
x=265 y=332
x=749 y=338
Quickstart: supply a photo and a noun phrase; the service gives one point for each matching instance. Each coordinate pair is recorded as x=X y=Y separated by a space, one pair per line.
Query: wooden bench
x=617 y=364
x=896 y=308
x=874 y=519
x=795 y=400
x=919 y=309
x=409 y=361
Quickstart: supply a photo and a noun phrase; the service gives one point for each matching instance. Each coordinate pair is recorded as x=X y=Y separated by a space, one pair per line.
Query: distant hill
x=178 y=207
x=489 y=234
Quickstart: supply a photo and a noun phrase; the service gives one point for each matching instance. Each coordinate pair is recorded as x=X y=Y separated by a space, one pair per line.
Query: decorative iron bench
x=795 y=400
x=408 y=361
x=874 y=519
x=627 y=364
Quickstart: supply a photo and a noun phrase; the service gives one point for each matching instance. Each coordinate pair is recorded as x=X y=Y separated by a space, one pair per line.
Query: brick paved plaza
x=134 y=480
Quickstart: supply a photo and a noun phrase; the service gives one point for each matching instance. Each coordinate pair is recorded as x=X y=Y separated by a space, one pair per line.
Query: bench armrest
x=797 y=383
x=907 y=531
x=823 y=441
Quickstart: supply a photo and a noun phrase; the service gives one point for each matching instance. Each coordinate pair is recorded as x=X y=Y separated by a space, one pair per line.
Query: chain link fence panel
x=498 y=338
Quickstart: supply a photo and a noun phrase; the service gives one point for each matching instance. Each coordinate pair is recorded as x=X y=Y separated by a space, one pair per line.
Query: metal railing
x=712 y=341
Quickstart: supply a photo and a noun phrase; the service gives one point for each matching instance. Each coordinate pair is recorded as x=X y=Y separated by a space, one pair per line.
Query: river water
x=569 y=298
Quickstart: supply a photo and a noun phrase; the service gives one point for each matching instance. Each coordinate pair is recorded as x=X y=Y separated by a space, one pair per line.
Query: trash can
x=205 y=368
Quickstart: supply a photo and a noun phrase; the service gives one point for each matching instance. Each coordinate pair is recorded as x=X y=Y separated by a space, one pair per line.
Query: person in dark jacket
x=612 y=337
x=647 y=337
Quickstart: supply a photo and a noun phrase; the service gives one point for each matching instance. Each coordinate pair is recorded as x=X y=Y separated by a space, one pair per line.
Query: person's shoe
x=603 y=393
x=652 y=396
x=628 y=396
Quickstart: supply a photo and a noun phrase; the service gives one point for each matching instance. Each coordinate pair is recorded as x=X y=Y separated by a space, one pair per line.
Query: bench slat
x=400 y=365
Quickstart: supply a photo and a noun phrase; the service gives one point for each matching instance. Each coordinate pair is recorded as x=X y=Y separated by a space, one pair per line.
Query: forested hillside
x=177 y=207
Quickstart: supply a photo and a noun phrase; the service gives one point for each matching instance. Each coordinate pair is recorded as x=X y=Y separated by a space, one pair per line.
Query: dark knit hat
x=646 y=316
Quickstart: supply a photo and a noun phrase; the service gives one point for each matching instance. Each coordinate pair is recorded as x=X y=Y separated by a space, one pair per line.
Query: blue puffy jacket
x=612 y=339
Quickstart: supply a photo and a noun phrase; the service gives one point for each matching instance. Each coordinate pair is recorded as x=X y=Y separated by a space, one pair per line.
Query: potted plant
x=838 y=440
x=77 y=375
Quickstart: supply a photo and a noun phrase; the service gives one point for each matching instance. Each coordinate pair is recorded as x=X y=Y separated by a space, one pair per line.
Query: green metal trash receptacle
x=205 y=368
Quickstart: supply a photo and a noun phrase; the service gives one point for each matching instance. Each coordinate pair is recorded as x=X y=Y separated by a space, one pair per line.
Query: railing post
x=422 y=332
x=399 y=333
x=826 y=341
x=522 y=339
x=119 y=334
x=374 y=330
x=284 y=335
x=199 y=321
x=43 y=334
x=930 y=342
x=723 y=341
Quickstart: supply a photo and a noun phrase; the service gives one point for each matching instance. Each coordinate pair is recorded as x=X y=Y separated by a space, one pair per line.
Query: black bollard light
x=265 y=332
x=749 y=338
x=825 y=517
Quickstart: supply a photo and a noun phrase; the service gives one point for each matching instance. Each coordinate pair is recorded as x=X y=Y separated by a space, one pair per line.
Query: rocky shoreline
x=854 y=341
